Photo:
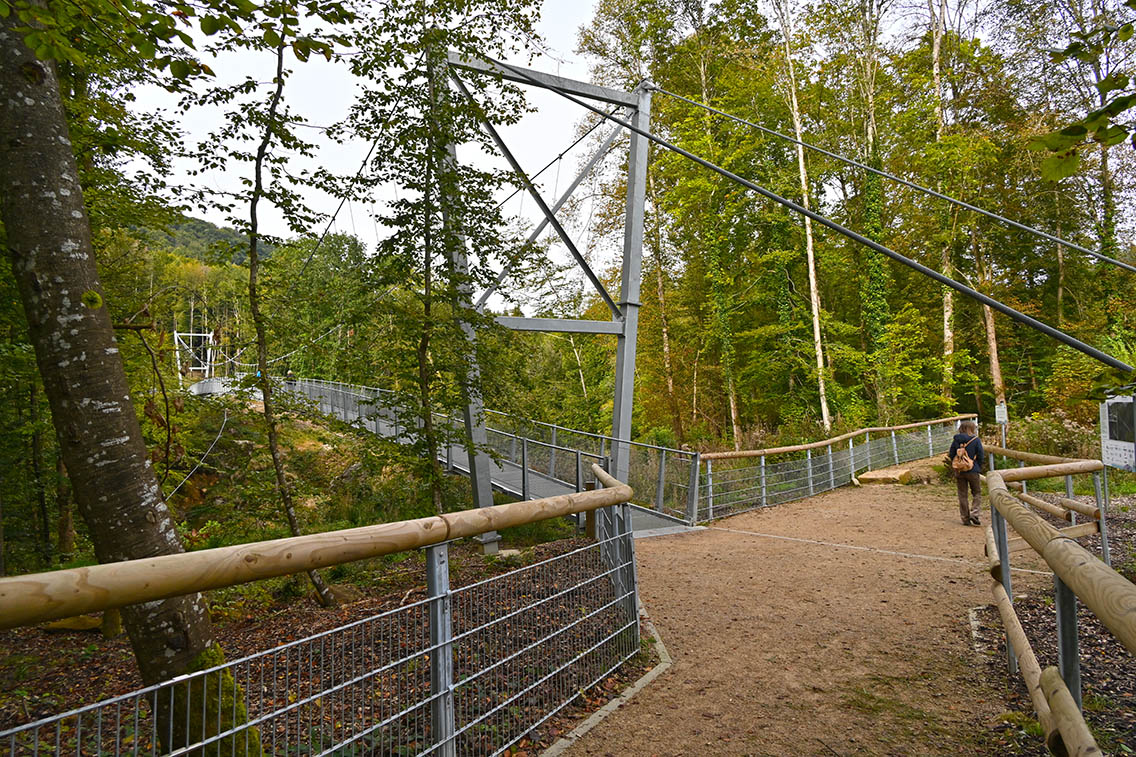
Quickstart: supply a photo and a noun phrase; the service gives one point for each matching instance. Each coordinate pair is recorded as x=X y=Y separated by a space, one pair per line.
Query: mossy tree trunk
x=69 y=326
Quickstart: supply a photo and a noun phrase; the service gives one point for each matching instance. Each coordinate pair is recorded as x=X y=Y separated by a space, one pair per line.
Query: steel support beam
x=631 y=276
x=596 y=157
x=549 y=215
x=538 y=79
x=564 y=325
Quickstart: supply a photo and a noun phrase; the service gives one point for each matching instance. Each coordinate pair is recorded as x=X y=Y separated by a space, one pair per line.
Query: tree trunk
x=1060 y=268
x=3 y=566
x=992 y=349
x=717 y=288
x=36 y=462
x=323 y=594
x=69 y=325
x=65 y=533
x=664 y=318
x=996 y=381
x=938 y=27
x=784 y=14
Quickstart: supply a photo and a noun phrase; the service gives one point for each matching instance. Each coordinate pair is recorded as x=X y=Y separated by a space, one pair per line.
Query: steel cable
x=827 y=222
x=910 y=184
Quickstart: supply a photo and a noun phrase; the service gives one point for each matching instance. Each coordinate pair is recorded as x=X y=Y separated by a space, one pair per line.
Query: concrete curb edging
x=565 y=742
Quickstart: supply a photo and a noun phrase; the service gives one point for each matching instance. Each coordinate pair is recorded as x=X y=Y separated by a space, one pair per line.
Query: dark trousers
x=969 y=481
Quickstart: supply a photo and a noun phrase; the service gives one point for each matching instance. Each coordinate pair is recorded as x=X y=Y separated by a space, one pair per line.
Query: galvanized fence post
x=809 y=469
x=579 y=473
x=930 y=443
x=552 y=455
x=1068 y=652
x=709 y=490
x=525 y=468
x=661 y=483
x=998 y=524
x=1106 y=555
x=692 y=491
x=1022 y=464
x=1069 y=494
x=868 y=447
x=442 y=724
x=831 y=470
x=894 y=448
x=764 y=501
x=851 y=459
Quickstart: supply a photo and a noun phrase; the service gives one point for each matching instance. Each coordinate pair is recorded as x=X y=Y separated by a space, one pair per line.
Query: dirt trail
x=790 y=647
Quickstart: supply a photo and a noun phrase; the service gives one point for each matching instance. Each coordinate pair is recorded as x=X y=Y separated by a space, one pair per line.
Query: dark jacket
x=973 y=448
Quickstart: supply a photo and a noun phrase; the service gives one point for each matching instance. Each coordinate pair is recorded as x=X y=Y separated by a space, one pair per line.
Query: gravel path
x=850 y=634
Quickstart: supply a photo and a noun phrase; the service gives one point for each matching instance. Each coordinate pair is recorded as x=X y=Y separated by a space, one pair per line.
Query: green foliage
x=1097 y=45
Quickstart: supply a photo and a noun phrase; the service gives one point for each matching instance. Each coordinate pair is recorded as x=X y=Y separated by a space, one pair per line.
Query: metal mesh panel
x=365 y=683
x=523 y=645
x=734 y=485
x=554 y=454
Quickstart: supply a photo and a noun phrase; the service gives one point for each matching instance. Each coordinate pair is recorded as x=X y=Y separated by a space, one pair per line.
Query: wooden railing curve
x=38 y=597
x=828 y=442
x=1110 y=596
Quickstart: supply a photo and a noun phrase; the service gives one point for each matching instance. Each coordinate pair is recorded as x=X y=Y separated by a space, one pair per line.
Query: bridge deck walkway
x=833 y=625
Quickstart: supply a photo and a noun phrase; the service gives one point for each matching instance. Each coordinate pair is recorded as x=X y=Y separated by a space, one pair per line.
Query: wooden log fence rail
x=438 y=675
x=737 y=481
x=1078 y=575
x=39 y=597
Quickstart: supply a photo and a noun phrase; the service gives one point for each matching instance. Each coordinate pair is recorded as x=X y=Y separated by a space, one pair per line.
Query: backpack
x=963 y=462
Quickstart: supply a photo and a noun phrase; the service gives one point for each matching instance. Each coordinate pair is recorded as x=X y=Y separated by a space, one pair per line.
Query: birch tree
x=784 y=12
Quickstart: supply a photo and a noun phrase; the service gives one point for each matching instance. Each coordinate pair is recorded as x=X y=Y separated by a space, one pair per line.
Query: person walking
x=967 y=456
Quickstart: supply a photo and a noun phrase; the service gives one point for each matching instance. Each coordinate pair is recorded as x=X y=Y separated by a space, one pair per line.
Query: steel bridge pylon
x=624 y=322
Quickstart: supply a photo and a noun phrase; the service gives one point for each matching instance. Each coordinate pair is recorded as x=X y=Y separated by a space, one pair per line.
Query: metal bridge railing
x=660 y=476
x=1078 y=575
x=468 y=669
x=735 y=482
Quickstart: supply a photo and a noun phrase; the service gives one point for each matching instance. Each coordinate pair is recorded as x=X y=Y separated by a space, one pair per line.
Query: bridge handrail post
x=831 y=470
x=660 y=484
x=442 y=721
x=692 y=491
x=709 y=490
x=764 y=501
x=868 y=447
x=809 y=469
x=552 y=456
x=894 y=447
x=579 y=473
x=851 y=460
x=1106 y=555
x=524 y=468
x=930 y=443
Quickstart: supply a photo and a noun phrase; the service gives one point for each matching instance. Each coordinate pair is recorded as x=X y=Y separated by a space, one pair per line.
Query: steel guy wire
x=910 y=184
x=354 y=179
x=202 y=460
x=827 y=222
x=559 y=157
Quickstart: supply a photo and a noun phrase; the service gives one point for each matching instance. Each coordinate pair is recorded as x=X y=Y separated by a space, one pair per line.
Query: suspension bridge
x=778 y=614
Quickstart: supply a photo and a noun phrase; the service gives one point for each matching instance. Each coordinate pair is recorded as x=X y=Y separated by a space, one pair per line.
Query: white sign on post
x=1000 y=413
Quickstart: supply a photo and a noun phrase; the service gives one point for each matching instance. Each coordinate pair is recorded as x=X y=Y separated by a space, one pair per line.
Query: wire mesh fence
x=530 y=457
x=469 y=670
x=735 y=485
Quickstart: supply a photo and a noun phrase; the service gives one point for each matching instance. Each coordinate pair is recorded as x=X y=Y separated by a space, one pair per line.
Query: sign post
x=1002 y=417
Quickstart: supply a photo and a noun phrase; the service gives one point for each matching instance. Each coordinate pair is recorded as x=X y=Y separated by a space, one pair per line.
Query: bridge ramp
x=834 y=625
